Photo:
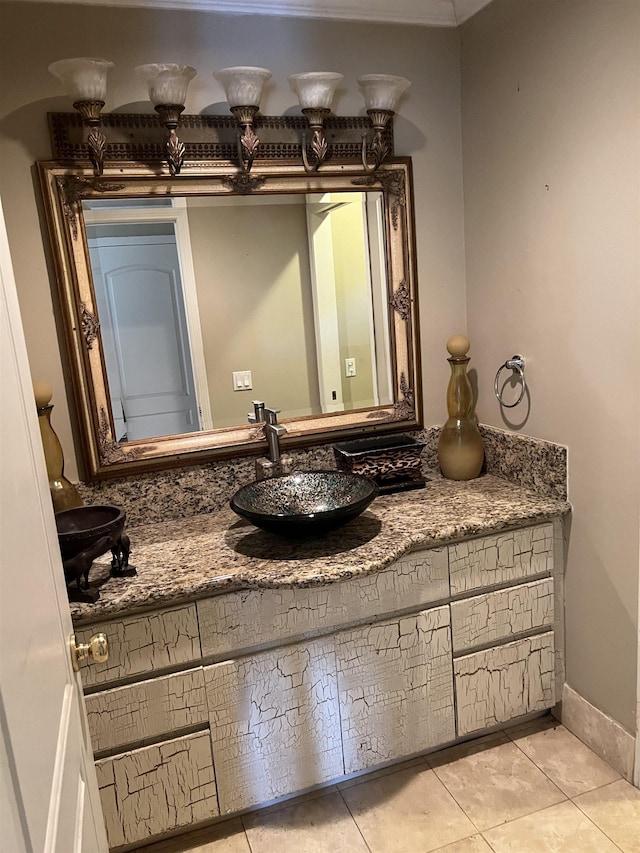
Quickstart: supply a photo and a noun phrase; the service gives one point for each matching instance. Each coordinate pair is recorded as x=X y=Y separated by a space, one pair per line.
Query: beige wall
x=428 y=129
x=251 y=265
x=551 y=180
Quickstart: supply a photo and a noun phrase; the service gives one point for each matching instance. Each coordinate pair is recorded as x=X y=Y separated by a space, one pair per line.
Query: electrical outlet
x=349 y=367
x=242 y=380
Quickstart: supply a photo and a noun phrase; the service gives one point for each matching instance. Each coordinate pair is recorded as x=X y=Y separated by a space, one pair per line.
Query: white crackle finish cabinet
x=212 y=707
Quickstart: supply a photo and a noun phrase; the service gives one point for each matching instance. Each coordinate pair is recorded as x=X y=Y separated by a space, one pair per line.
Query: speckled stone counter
x=191 y=558
x=193 y=490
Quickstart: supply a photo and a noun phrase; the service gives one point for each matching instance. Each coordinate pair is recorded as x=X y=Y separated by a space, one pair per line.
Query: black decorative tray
x=391 y=461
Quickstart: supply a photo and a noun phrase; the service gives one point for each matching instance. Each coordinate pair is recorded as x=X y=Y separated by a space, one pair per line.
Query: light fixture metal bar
x=141 y=136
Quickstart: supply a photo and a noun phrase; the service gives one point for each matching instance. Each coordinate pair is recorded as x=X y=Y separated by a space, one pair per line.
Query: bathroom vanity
x=244 y=668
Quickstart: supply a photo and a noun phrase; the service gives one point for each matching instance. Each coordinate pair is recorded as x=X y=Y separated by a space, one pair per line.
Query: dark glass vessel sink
x=305 y=503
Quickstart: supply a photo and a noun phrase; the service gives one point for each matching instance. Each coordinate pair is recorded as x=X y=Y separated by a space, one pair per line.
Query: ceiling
x=434 y=13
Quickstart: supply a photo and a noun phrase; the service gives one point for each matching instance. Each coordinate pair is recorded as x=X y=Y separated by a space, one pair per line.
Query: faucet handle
x=258 y=413
x=273 y=433
x=271 y=416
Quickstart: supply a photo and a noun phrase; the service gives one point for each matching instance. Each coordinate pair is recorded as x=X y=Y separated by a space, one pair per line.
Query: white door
x=49 y=801
x=144 y=332
x=325 y=308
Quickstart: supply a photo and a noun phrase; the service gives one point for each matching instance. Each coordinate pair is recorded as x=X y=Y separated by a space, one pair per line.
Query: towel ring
x=515 y=363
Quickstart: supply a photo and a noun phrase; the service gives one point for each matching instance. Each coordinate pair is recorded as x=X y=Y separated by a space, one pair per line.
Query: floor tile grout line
x=246 y=835
x=539 y=811
x=452 y=795
x=545 y=774
x=346 y=805
x=606 y=834
x=449 y=843
x=593 y=752
x=542 y=770
x=303 y=802
x=569 y=796
x=597 y=788
x=487 y=842
x=486 y=829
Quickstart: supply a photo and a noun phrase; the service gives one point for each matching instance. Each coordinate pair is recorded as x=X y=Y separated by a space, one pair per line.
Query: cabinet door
x=159 y=788
x=144 y=643
x=241 y=622
x=136 y=714
x=487 y=619
x=395 y=686
x=500 y=559
x=504 y=682
x=275 y=723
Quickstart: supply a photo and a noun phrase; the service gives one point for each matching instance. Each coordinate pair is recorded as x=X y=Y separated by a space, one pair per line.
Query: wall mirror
x=186 y=298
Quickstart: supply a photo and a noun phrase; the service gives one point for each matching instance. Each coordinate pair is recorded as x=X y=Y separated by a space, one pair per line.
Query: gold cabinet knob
x=96 y=650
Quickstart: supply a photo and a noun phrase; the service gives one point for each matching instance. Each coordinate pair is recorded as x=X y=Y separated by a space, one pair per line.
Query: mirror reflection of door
x=289 y=288
x=348 y=278
x=141 y=307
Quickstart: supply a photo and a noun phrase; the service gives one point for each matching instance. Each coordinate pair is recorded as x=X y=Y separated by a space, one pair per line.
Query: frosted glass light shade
x=167 y=82
x=315 y=89
x=84 y=78
x=382 y=91
x=243 y=84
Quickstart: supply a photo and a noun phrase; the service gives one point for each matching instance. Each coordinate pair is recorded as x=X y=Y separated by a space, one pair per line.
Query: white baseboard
x=601 y=733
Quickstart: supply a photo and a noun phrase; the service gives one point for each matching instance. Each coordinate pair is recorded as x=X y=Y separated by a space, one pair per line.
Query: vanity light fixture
x=168 y=83
x=243 y=87
x=85 y=80
x=381 y=94
x=315 y=90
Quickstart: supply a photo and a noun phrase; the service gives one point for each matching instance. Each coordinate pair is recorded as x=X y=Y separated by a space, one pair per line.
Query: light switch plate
x=242 y=380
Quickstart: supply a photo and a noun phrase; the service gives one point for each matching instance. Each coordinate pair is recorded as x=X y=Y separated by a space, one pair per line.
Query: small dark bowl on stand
x=85 y=533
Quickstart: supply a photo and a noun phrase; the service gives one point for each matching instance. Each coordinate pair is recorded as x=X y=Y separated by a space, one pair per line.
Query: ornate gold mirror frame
x=64 y=190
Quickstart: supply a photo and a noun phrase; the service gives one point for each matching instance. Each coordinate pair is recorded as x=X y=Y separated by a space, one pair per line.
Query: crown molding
x=429 y=13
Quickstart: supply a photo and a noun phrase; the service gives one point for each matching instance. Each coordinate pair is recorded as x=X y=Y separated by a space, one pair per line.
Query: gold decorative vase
x=63 y=493
x=460 y=448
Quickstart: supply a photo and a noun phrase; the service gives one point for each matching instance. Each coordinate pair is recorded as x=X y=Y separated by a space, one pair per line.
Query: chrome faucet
x=258 y=413
x=273 y=431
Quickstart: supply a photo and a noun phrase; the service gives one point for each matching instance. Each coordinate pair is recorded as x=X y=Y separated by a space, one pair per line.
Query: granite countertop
x=191 y=558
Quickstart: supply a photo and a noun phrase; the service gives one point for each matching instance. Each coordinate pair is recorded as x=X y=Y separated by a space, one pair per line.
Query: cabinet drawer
x=496 y=616
x=395 y=686
x=501 y=683
x=499 y=559
x=275 y=724
x=155 y=789
x=139 y=644
x=139 y=713
x=250 y=619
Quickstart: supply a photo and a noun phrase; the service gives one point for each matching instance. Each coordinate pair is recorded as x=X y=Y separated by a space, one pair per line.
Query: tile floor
x=531 y=789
